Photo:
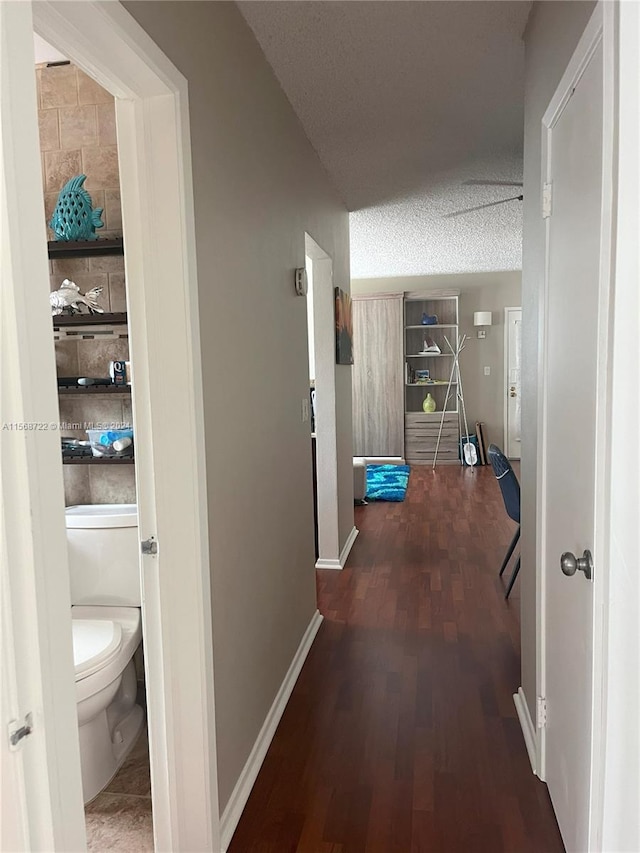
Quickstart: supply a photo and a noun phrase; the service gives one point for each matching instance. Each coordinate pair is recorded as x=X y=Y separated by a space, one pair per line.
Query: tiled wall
x=78 y=136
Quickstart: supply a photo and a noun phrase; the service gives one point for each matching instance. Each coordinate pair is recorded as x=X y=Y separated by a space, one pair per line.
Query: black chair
x=510 y=488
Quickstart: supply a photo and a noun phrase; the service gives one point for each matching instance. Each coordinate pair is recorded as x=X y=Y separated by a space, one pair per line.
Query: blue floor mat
x=387 y=482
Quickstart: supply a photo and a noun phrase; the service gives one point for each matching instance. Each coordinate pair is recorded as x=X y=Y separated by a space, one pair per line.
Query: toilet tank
x=104 y=565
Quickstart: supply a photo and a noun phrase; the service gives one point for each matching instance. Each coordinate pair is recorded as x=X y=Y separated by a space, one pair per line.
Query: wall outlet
x=487 y=371
x=305 y=410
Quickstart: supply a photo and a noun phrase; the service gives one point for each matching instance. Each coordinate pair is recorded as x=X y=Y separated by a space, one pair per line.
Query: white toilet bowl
x=104 y=641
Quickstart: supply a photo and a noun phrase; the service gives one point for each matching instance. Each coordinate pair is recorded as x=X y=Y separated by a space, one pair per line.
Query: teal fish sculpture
x=74 y=217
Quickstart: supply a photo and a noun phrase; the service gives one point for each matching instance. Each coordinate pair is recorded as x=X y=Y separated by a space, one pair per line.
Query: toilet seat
x=96 y=642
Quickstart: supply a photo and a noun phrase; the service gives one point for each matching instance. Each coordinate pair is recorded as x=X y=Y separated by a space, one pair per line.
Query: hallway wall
x=484 y=395
x=258 y=186
x=552 y=34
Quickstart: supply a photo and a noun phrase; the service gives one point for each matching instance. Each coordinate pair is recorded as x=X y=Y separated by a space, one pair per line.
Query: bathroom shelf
x=66 y=320
x=98 y=460
x=430 y=355
x=90 y=390
x=85 y=248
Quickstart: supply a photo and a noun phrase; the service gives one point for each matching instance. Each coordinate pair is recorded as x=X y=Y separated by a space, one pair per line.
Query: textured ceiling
x=404 y=102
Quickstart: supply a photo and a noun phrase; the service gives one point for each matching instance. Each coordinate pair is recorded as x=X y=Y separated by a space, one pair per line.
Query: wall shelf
x=98 y=460
x=75 y=320
x=430 y=355
x=90 y=390
x=85 y=248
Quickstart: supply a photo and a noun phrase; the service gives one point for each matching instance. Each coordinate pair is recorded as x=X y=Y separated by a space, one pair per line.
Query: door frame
x=506 y=383
x=154 y=149
x=329 y=555
x=600 y=29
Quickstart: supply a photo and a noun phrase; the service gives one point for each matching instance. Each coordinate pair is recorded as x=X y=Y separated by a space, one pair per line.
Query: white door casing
x=154 y=151
x=574 y=427
x=512 y=382
x=320 y=269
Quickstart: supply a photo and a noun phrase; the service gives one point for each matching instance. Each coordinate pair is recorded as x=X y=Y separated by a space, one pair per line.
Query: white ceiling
x=404 y=101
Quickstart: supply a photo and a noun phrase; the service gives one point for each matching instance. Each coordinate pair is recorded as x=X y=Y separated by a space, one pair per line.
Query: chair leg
x=513 y=578
x=514 y=542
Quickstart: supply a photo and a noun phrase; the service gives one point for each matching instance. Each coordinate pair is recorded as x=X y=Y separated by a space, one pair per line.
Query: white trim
x=348 y=545
x=155 y=161
x=528 y=729
x=340 y=563
x=319 y=267
x=246 y=781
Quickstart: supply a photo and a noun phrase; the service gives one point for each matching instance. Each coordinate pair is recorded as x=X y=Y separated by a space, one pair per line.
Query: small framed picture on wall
x=344 y=328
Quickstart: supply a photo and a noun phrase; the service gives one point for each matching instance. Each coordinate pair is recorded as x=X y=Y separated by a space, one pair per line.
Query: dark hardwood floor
x=401 y=734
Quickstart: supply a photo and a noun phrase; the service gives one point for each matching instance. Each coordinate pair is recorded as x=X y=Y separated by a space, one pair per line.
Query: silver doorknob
x=570 y=564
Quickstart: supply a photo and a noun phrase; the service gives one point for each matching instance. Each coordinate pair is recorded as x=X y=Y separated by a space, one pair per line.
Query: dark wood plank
x=401 y=735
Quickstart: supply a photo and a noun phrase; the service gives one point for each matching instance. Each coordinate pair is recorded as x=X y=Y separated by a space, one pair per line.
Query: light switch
x=305 y=410
x=487 y=371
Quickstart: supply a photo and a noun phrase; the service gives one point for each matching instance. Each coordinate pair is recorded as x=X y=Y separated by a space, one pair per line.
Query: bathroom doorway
x=105 y=43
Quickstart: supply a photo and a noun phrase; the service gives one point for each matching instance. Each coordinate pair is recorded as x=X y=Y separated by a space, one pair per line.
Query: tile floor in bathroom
x=120 y=817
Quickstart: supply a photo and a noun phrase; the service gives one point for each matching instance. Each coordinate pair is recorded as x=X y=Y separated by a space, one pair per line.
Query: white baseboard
x=528 y=729
x=348 y=545
x=240 y=794
x=339 y=564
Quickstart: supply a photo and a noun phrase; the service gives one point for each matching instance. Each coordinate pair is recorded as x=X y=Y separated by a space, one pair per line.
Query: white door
x=575 y=400
x=513 y=396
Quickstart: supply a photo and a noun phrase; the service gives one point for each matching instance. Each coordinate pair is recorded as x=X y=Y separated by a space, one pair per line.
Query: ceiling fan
x=491 y=203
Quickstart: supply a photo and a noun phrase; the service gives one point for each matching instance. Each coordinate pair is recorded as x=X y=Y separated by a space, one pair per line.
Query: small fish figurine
x=74 y=217
x=68 y=297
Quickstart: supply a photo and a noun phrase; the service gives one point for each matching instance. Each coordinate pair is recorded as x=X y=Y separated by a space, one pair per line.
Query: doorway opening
x=321 y=326
x=111 y=50
x=80 y=168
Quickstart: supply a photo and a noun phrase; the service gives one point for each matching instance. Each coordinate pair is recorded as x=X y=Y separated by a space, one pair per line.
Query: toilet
x=106 y=621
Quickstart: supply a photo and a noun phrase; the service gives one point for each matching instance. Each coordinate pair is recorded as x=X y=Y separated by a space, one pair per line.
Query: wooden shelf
x=85 y=248
x=66 y=320
x=439 y=383
x=436 y=326
x=98 y=460
x=88 y=390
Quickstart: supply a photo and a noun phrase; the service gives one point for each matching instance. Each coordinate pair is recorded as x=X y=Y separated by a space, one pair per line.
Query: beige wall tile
x=113 y=485
x=60 y=166
x=70 y=267
x=58 y=86
x=113 y=210
x=66 y=358
x=94 y=356
x=78 y=127
x=89 y=92
x=77 y=488
x=49 y=133
x=95 y=411
x=117 y=292
x=107 y=263
x=106 y=123
x=100 y=165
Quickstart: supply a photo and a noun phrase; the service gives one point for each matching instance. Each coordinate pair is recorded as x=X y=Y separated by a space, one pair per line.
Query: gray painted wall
x=552 y=34
x=258 y=187
x=484 y=399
